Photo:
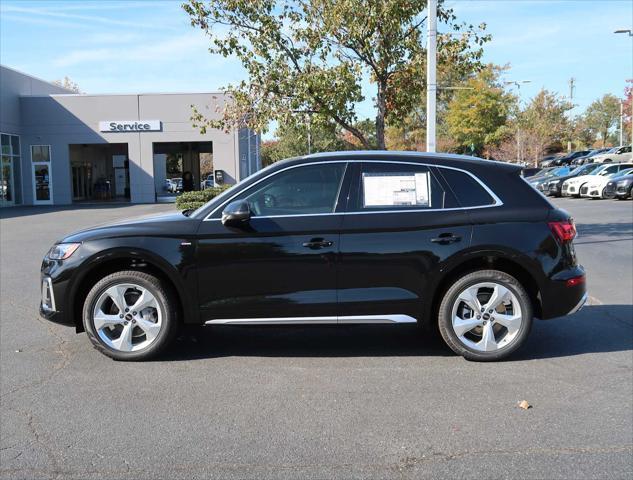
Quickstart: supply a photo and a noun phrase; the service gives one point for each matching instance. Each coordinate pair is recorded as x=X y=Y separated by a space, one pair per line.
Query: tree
x=602 y=115
x=292 y=140
x=479 y=110
x=542 y=123
x=628 y=110
x=313 y=55
x=68 y=84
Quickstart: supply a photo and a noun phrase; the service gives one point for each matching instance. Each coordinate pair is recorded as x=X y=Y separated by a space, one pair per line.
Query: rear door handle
x=317 y=243
x=446 y=238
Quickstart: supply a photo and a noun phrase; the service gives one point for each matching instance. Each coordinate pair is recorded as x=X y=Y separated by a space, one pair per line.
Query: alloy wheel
x=127 y=317
x=486 y=317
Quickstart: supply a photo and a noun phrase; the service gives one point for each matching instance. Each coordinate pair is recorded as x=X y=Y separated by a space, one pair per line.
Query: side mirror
x=236 y=214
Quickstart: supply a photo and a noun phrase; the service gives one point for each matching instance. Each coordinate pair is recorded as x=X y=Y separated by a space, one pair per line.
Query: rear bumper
x=564 y=294
x=580 y=304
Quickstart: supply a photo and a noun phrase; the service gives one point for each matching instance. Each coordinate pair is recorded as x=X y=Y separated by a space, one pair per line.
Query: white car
x=596 y=186
x=617 y=154
x=574 y=186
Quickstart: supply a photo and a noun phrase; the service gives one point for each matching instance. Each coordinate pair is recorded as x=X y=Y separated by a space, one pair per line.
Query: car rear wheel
x=485 y=316
x=130 y=315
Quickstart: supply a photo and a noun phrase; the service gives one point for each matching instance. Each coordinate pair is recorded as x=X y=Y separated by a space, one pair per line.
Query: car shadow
x=614 y=229
x=595 y=329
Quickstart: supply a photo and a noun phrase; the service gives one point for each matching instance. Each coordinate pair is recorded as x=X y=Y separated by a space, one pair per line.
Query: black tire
x=445 y=315
x=165 y=298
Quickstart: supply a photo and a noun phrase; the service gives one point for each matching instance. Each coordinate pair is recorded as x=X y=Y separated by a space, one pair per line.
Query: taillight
x=572 y=282
x=564 y=230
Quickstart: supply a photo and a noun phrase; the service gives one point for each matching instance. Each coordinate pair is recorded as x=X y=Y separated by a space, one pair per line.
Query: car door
x=401 y=226
x=280 y=267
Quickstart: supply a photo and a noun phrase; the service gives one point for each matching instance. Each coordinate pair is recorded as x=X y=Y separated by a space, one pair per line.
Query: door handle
x=317 y=243
x=446 y=238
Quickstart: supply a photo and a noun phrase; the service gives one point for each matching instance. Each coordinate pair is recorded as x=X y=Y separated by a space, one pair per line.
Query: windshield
x=585 y=169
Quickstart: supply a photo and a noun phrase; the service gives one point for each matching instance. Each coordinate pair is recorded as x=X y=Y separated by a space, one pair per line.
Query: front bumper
x=592 y=191
x=569 y=190
x=50 y=306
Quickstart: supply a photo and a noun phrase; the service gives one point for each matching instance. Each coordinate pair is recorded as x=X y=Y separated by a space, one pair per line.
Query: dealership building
x=59 y=147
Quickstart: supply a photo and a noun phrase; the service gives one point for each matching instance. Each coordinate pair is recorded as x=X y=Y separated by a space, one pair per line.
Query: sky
x=132 y=46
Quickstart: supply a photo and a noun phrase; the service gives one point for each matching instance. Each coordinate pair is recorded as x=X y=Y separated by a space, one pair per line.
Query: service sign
x=121 y=126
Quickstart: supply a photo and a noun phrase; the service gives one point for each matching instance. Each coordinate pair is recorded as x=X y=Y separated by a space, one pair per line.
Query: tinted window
x=297 y=191
x=387 y=186
x=469 y=191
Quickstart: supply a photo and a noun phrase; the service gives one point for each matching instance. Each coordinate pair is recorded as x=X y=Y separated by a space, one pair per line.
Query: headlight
x=555 y=182
x=62 y=251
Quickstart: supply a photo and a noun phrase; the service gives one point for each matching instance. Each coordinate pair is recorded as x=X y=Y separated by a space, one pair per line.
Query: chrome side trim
x=273 y=321
x=350 y=319
x=496 y=199
x=376 y=319
x=580 y=304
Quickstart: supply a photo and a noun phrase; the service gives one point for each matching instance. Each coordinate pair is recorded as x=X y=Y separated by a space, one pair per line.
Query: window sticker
x=395 y=189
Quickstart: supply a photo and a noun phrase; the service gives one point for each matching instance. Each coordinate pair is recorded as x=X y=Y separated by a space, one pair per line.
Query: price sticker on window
x=395 y=189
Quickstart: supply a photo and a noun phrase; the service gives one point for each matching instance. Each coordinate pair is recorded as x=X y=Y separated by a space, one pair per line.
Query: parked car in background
x=451 y=242
x=617 y=154
x=589 y=157
x=555 y=186
x=549 y=159
x=622 y=188
x=530 y=171
x=597 y=185
x=176 y=185
x=570 y=157
x=573 y=187
x=207 y=182
x=541 y=182
x=168 y=185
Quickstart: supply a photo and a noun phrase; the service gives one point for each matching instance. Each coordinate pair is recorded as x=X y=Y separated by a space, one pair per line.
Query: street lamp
x=630 y=34
x=431 y=85
x=518 y=83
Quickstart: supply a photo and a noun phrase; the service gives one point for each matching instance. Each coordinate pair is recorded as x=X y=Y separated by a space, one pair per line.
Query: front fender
x=173 y=258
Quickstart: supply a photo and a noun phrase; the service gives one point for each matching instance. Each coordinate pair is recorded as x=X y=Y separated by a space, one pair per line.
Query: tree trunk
x=381 y=104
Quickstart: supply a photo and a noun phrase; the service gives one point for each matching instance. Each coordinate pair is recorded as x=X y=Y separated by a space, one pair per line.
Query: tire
x=152 y=327
x=506 y=339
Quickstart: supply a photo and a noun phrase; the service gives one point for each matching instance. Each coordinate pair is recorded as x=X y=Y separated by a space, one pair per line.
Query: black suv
x=457 y=243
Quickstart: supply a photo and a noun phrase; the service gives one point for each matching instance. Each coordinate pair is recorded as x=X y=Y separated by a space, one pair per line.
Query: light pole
x=518 y=83
x=431 y=85
x=630 y=34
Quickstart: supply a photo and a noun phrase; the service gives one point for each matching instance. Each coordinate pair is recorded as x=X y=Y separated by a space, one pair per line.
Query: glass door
x=6 y=182
x=42 y=181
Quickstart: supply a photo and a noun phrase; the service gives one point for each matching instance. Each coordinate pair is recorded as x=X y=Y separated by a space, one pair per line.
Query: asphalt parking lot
x=317 y=402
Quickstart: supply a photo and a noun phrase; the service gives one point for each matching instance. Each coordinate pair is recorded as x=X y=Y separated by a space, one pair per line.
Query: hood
x=581 y=178
x=167 y=224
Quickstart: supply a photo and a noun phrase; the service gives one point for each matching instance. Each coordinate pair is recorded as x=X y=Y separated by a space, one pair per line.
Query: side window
x=398 y=186
x=297 y=191
x=469 y=191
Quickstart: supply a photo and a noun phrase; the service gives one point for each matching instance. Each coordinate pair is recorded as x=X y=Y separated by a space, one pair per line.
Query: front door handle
x=317 y=243
x=446 y=238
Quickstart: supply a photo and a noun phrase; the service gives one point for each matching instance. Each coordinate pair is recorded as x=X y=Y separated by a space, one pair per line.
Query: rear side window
x=399 y=186
x=469 y=192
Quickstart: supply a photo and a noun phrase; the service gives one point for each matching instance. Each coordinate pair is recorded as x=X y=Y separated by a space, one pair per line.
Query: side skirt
x=349 y=320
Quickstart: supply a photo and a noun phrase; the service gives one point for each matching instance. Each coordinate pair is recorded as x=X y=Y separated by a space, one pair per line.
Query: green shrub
x=187 y=200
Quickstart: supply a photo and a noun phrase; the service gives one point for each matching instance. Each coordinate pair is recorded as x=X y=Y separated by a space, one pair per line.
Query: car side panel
x=388 y=261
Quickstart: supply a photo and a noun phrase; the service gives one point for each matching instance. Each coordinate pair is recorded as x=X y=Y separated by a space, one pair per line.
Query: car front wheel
x=485 y=316
x=130 y=315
